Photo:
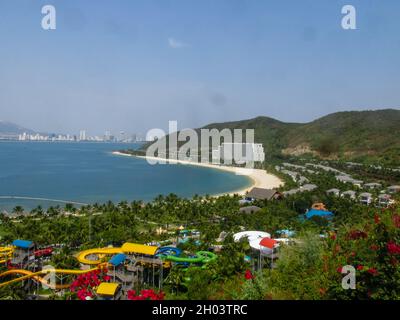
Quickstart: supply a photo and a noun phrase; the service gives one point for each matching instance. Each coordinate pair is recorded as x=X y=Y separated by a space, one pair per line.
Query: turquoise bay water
x=89 y=173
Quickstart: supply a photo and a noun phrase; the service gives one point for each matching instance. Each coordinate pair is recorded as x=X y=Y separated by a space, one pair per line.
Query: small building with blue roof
x=23 y=244
x=23 y=254
x=319 y=213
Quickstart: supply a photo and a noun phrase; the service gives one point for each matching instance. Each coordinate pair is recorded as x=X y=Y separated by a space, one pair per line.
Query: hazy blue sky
x=135 y=64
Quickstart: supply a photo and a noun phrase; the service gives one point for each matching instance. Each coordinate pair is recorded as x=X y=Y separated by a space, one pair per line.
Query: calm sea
x=89 y=173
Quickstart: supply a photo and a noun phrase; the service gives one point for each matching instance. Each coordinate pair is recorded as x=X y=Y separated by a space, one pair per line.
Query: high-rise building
x=82 y=135
x=107 y=136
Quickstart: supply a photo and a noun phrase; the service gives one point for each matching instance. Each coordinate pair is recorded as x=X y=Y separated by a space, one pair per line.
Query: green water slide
x=201 y=257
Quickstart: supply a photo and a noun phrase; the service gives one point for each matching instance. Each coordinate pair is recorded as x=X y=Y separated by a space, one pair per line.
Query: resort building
x=334 y=192
x=385 y=200
x=393 y=189
x=308 y=187
x=291 y=192
x=303 y=180
x=344 y=179
x=319 y=213
x=349 y=194
x=366 y=198
x=372 y=185
x=291 y=174
x=295 y=166
x=319 y=206
x=262 y=194
x=357 y=183
x=325 y=168
x=348 y=179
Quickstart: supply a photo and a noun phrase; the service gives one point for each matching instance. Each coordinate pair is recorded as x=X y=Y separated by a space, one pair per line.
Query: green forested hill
x=352 y=135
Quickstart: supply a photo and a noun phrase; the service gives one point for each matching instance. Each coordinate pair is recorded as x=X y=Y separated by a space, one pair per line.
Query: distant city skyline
x=82 y=136
x=134 y=65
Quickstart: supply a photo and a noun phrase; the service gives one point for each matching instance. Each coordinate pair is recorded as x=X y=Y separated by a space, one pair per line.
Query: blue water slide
x=169 y=251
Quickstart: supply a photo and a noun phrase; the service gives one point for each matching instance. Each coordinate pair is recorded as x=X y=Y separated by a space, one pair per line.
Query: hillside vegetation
x=365 y=136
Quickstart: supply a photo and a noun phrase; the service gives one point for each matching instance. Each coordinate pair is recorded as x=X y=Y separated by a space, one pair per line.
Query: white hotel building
x=248 y=152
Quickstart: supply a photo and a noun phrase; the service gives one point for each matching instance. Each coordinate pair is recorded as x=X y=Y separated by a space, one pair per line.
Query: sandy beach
x=260 y=178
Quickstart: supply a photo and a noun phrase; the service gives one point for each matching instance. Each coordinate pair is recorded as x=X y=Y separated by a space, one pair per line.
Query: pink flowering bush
x=85 y=285
x=148 y=294
x=374 y=251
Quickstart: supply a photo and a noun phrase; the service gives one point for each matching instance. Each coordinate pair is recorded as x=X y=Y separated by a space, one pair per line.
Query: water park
x=131 y=266
x=115 y=272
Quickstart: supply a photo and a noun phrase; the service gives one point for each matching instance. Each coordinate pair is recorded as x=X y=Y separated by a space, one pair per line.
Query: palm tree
x=18 y=210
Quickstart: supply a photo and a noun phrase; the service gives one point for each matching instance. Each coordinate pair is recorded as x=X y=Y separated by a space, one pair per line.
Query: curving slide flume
x=201 y=257
x=100 y=252
x=37 y=276
x=171 y=254
x=5 y=254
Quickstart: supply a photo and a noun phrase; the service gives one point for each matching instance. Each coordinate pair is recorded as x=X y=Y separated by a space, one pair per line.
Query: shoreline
x=259 y=178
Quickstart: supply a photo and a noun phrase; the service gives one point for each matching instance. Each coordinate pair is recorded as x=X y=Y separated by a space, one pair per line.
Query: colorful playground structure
x=131 y=266
x=262 y=246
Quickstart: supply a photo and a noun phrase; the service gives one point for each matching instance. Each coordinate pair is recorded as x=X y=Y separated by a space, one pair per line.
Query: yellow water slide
x=83 y=257
x=127 y=248
x=37 y=276
x=5 y=254
x=99 y=252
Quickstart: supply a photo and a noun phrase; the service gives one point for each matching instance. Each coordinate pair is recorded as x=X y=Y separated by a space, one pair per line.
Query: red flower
x=360 y=267
x=393 y=248
x=356 y=234
x=333 y=236
x=372 y=271
x=148 y=294
x=374 y=247
x=339 y=269
x=131 y=294
x=248 y=275
x=106 y=278
x=161 y=295
x=396 y=220
x=377 y=219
